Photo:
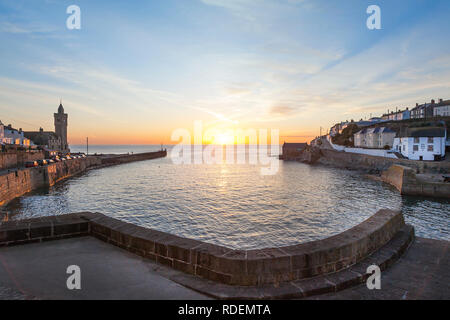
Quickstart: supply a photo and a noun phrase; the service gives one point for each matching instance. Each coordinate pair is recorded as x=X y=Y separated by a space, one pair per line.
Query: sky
x=138 y=70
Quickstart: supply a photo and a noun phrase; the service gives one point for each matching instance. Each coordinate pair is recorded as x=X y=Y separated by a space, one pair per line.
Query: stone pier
x=18 y=182
x=317 y=267
x=408 y=183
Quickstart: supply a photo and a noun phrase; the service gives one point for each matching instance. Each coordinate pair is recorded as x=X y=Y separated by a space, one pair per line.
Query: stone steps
x=380 y=240
x=298 y=289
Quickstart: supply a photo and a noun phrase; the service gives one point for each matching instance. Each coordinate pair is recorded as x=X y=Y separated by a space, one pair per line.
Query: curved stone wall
x=18 y=182
x=406 y=181
x=217 y=263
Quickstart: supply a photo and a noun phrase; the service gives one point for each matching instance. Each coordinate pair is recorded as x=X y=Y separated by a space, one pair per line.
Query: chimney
x=432 y=101
x=41 y=130
x=417 y=104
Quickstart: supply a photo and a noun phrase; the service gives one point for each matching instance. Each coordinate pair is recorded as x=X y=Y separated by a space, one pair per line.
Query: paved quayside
x=119 y=260
x=38 y=271
x=422 y=273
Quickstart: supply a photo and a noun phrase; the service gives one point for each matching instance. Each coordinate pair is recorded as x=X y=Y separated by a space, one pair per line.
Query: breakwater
x=372 y=163
x=21 y=181
x=108 y=160
x=407 y=182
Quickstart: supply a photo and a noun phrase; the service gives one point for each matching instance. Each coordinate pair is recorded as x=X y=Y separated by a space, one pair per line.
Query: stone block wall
x=366 y=162
x=42 y=229
x=17 y=159
x=406 y=181
x=218 y=263
x=21 y=181
x=126 y=158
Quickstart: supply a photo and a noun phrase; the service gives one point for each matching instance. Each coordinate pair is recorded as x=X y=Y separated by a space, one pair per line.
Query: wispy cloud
x=281 y=110
x=16 y=28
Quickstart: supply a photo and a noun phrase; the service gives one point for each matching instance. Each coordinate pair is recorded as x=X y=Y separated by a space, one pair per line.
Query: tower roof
x=60 y=108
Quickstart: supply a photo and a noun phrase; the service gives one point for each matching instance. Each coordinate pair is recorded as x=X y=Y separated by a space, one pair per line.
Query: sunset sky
x=137 y=70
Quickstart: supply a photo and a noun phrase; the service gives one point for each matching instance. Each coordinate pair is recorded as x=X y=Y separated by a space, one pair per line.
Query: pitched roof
x=363 y=131
x=295 y=145
x=376 y=130
x=443 y=103
x=424 y=132
x=387 y=130
x=41 y=138
x=363 y=123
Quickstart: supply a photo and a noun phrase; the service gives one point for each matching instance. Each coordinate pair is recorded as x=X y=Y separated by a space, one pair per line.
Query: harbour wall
x=222 y=264
x=126 y=158
x=405 y=180
x=17 y=159
x=374 y=163
x=21 y=181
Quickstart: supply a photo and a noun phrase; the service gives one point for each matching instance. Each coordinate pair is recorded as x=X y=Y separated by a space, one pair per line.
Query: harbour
x=229 y=204
x=246 y=150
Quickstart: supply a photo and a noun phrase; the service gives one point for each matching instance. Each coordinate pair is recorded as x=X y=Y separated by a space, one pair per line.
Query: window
x=416 y=147
x=430 y=147
x=416 y=140
x=430 y=140
x=404 y=148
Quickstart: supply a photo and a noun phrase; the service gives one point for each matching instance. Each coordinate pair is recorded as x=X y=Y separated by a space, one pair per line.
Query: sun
x=224 y=138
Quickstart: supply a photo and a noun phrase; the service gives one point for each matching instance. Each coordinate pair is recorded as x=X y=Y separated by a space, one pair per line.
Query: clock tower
x=61 y=128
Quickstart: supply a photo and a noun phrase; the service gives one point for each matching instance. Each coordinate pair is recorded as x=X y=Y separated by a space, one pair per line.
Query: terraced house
x=11 y=136
x=374 y=138
x=426 y=144
x=442 y=109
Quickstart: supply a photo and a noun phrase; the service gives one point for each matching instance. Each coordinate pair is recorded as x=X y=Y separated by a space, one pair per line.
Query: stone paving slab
x=38 y=271
x=11 y=294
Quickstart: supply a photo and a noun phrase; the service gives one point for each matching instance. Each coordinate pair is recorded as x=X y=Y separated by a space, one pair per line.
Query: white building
x=426 y=143
x=374 y=138
x=337 y=128
x=9 y=135
x=442 y=109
